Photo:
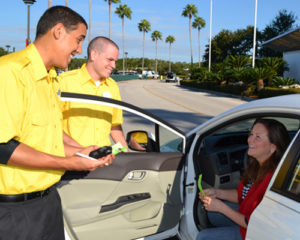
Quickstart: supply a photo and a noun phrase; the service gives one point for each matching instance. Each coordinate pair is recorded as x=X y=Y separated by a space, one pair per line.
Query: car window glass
x=294 y=183
x=291 y=124
x=242 y=126
x=169 y=141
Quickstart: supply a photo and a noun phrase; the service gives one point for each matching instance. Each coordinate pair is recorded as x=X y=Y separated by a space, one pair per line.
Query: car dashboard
x=222 y=159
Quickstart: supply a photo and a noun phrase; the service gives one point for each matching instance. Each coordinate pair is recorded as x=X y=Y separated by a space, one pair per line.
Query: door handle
x=136 y=175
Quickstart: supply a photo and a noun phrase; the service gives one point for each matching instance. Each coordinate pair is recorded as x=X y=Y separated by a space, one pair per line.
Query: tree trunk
x=190 y=31
x=199 y=47
x=90 y=20
x=156 y=58
x=109 y=22
x=123 y=45
x=143 y=51
x=260 y=84
x=170 y=58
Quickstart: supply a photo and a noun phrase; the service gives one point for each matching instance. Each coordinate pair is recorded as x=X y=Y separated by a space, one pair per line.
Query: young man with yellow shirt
x=92 y=124
x=34 y=151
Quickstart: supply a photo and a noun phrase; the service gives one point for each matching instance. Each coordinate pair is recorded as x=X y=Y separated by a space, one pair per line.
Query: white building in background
x=289 y=44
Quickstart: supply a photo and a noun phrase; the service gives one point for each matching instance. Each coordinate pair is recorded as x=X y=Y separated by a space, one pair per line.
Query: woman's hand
x=212 y=204
x=209 y=192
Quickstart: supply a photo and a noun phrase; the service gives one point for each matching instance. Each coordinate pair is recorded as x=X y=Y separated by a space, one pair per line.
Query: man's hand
x=82 y=163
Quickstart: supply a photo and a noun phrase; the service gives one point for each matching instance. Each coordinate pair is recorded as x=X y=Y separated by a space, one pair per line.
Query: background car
x=153 y=194
x=171 y=77
x=149 y=74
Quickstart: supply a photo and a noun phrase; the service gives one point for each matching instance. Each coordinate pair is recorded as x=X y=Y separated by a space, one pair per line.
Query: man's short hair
x=99 y=43
x=58 y=14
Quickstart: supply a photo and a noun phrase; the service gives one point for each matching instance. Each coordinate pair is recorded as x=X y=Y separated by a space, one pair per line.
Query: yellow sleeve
x=12 y=101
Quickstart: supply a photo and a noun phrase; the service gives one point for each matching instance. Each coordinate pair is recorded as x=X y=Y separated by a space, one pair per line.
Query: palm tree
x=144 y=26
x=123 y=11
x=199 y=23
x=8 y=47
x=170 y=39
x=156 y=35
x=109 y=9
x=189 y=11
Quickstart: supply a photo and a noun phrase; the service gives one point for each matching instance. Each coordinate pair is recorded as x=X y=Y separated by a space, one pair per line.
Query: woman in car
x=267 y=142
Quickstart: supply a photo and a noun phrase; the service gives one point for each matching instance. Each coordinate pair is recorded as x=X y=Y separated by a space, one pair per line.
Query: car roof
x=281 y=104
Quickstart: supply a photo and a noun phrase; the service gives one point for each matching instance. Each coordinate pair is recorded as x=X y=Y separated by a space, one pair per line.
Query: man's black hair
x=58 y=14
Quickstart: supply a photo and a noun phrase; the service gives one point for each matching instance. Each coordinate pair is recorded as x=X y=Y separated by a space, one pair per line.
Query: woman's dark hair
x=58 y=14
x=277 y=135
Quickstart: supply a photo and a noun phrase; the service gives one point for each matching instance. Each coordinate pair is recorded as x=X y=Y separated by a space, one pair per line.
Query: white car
x=171 y=77
x=154 y=195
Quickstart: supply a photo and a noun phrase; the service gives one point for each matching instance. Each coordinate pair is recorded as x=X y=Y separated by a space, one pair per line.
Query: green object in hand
x=200 y=185
x=117 y=148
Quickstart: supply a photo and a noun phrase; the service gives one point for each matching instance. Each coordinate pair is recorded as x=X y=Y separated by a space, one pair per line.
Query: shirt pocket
x=39 y=119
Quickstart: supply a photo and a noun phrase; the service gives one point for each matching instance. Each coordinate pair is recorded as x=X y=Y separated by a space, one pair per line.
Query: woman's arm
x=216 y=205
x=230 y=195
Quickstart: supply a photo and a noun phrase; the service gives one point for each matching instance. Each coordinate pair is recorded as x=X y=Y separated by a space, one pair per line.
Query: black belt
x=24 y=196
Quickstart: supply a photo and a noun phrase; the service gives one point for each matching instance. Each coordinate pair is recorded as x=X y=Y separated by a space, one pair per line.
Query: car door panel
x=139 y=193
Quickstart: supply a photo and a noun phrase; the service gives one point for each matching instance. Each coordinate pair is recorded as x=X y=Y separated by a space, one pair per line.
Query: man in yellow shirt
x=33 y=148
x=92 y=124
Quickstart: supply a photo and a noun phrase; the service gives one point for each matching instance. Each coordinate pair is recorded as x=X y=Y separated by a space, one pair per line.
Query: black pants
x=36 y=219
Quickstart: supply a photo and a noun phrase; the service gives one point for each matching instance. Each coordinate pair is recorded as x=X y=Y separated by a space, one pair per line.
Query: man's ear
x=93 y=55
x=58 y=31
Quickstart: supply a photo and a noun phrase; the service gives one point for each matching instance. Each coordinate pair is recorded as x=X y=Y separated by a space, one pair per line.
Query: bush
x=272 y=92
x=213 y=86
x=282 y=81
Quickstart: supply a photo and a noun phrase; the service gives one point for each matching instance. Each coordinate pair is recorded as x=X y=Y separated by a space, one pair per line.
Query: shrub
x=283 y=81
x=272 y=92
x=237 y=61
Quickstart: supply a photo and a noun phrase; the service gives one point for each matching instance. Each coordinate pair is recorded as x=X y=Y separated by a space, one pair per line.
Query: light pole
x=29 y=3
x=90 y=20
x=67 y=3
x=254 y=35
x=49 y=3
x=210 y=30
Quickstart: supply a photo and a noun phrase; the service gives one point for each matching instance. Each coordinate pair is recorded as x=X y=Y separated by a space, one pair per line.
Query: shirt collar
x=86 y=77
x=39 y=69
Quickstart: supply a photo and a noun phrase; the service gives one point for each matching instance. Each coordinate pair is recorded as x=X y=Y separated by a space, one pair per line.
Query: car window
x=294 y=183
x=169 y=141
x=287 y=182
x=291 y=124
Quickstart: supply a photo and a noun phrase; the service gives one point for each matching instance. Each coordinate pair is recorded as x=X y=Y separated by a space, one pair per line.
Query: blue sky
x=164 y=16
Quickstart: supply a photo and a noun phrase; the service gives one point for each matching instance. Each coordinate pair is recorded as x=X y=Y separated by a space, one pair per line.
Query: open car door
x=138 y=195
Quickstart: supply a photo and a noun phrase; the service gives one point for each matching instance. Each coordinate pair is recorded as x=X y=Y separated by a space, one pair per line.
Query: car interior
x=221 y=157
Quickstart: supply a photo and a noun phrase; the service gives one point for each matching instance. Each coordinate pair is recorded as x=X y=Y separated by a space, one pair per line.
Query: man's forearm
x=117 y=135
x=70 y=145
x=27 y=157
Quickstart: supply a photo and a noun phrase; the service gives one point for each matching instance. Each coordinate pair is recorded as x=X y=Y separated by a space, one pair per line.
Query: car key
x=101 y=152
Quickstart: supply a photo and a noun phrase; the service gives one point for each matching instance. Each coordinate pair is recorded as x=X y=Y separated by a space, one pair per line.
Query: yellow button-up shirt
x=89 y=124
x=30 y=114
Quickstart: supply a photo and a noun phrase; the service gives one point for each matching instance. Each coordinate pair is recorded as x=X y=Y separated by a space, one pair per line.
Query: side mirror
x=137 y=140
